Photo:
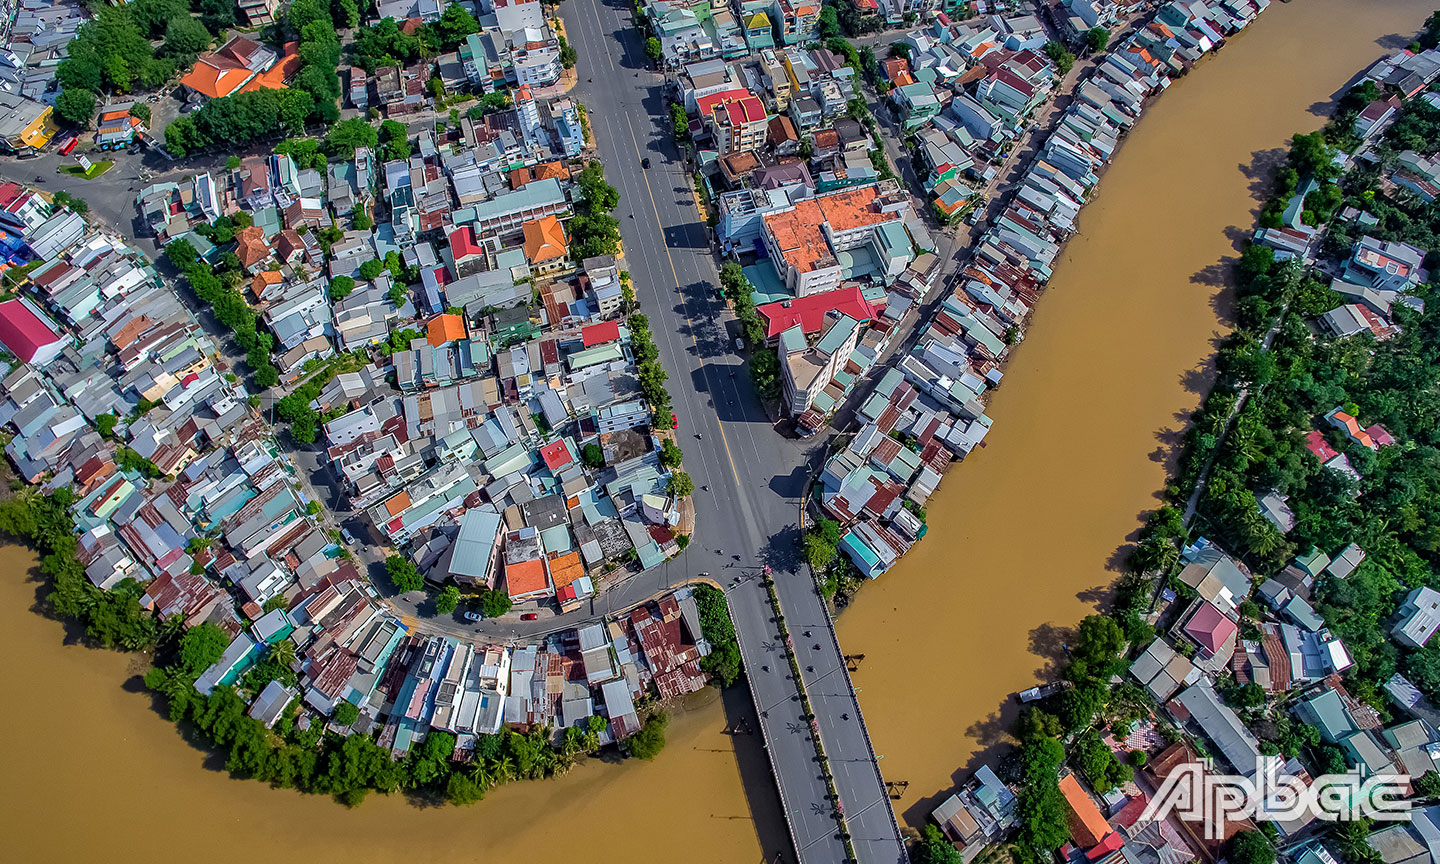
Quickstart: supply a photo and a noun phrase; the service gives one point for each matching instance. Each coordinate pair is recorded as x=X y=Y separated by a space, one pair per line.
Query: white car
x=349 y=538
x=739 y=344
x=473 y=616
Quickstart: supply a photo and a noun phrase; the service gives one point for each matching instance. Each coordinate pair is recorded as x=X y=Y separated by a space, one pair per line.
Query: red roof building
x=599 y=334
x=1210 y=629
x=1319 y=447
x=810 y=311
x=25 y=332
x=556 y=455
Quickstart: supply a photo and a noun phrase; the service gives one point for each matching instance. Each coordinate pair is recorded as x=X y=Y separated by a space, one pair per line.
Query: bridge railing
x=765 y=734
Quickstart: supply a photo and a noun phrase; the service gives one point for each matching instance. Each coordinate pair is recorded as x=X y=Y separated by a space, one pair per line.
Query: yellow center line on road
x=635 y=141
x=724 y=440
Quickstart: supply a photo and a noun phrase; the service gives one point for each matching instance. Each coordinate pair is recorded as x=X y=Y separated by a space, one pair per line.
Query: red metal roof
x=706 y=104
x=809 y=312
x=462 y=243
x=23 y=332
x=598 y=334
x=1209 y=627
x=556 y=455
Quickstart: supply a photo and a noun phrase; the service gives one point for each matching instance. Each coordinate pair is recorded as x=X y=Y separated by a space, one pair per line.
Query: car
x=529 y=616
x=739 y=344
x=473 y=616
x=645 y=163
x=674 y=422
x=349 y=538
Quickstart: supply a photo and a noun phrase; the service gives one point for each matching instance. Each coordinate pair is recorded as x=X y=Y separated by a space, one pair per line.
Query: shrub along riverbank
x=304 y=752
x=1277 y=379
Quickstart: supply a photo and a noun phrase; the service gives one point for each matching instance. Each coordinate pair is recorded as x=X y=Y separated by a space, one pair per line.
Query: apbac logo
x=1195 y=794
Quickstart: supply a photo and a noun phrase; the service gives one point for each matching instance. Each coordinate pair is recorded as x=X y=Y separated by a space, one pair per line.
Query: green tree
x=370 y=270
x=75 y=107
x=653 y=49
x=829 y=24
x=1250 y=847
x=1426 y=785
x=340 y=287
x=217 y=15
x=670 y=455
x=346 y=136
x=681 y=486
x=454 y=25
x=1098 y=643
x=592 y=456
x=447 y=600
x=185 y=37
x=1064 y=61
x=650 y=740
x=395 y=140
x=200 y=648
x=1041 y=808
x=346 y=713
x=403 y=574
x=152 y=16
x=1096 y=38
x=493 y=604
x=820 y=550
x=932 y=847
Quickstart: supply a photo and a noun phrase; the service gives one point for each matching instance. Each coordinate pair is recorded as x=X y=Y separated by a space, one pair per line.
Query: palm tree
x=504 y=769
x=283 y=652
x=1352 y=837
x=481 y=774
x=172 y=627
x=1264 y=538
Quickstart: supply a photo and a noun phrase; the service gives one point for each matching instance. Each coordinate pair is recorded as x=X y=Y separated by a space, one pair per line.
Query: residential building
x=1419 y=618
x=26 y=126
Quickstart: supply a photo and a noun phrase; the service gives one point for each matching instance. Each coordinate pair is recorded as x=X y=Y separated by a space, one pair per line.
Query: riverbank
x=929 y=408
x=1027 y=539
x=103 y=748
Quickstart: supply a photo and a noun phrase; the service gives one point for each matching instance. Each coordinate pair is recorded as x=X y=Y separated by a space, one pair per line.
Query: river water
x=1021 y=542
x=1024 y=536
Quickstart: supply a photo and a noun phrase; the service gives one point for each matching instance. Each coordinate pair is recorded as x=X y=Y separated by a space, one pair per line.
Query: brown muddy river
x=1021 y=542
x=1023 y=535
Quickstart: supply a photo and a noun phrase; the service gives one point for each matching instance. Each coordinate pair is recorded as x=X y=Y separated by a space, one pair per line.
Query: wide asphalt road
x=755 y=477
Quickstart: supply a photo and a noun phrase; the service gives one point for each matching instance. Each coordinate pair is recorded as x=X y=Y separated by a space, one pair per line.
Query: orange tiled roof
x=798 y=231
x=278 y=75
x=263 y=280
x=215 y=81
x=565 y=569
x=250 y=246
x=544 y=239
x=526 y=577
x=397 y=505
x=445 y=328
x=1087 y=826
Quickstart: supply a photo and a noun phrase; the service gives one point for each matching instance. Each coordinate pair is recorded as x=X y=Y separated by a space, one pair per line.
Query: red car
x=674 y=422
x=529 y=616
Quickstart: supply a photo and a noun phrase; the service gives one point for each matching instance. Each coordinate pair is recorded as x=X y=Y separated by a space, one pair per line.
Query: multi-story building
x=806 y=370
x=737 y=119
x=812 y=242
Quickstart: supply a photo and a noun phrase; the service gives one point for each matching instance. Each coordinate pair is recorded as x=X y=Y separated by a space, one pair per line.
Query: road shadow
x=766 y=813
